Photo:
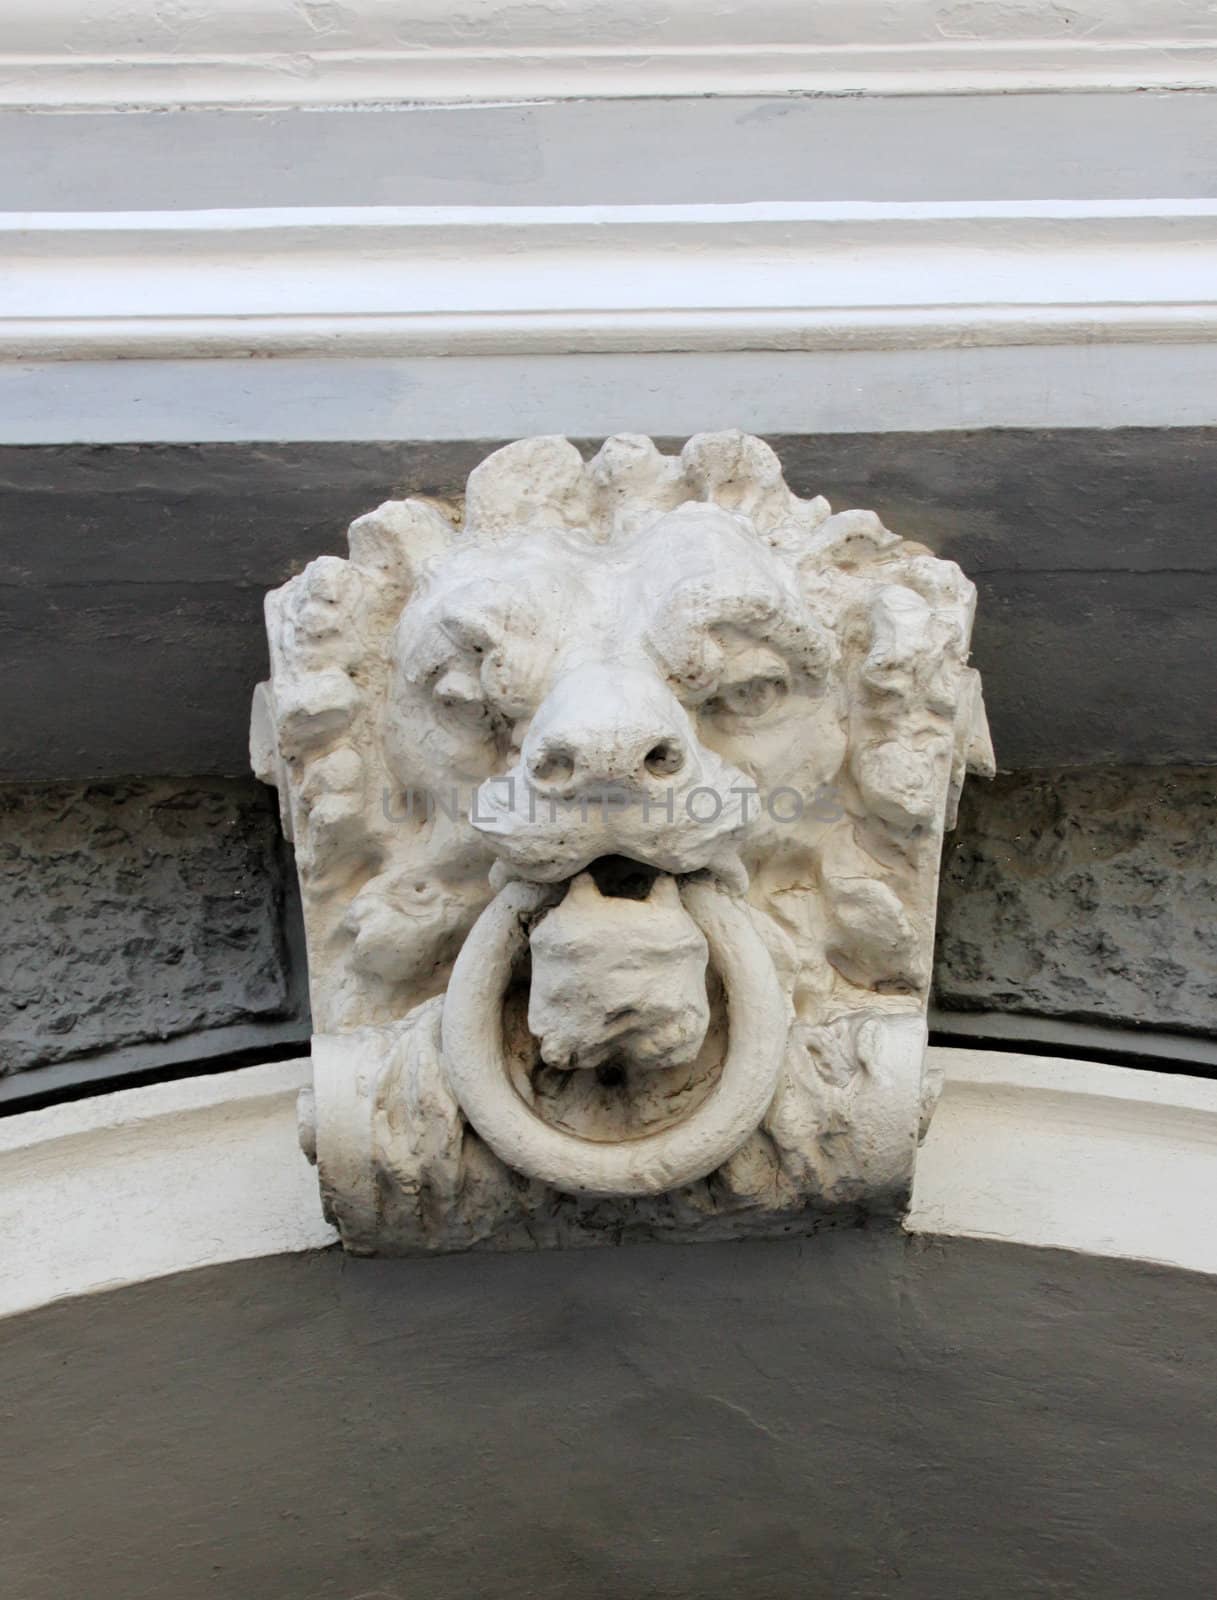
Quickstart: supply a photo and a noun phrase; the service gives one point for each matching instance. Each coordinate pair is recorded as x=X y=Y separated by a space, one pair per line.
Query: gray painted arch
x=858 y=1415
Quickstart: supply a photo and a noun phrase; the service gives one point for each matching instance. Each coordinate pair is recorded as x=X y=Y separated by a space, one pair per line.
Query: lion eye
x=752 y=697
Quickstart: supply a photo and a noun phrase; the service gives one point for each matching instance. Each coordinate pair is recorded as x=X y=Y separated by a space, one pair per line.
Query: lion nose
x=602 y=727
x=565 y=760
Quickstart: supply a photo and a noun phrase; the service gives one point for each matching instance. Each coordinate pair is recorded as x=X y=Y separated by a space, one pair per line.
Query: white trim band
x=1024 y=1149
x=1040 y=1150
x=62 y=53
x=403 y=281
x=123 y=1187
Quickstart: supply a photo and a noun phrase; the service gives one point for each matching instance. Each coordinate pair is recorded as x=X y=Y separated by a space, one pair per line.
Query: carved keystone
x=618 y=802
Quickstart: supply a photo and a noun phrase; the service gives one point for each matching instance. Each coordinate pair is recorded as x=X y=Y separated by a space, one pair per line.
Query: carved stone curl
x=618 y=804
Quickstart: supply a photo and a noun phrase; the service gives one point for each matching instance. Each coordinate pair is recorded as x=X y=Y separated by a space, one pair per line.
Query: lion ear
x=533 y=483
x=397 y=540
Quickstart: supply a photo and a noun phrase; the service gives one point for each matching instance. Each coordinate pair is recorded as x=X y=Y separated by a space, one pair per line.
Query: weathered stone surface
x=136 y=911
x=618 y=980
x=1087 y=895
x=730 y=728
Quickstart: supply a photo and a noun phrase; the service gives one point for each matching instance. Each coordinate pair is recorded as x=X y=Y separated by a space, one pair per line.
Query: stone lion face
x=628 y=698
x=559 y=925
x=638 y=663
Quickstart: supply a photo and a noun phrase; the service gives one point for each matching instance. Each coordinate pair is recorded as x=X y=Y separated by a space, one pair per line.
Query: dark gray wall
x=141 y=911
x=131 y=607
x=856 y=1416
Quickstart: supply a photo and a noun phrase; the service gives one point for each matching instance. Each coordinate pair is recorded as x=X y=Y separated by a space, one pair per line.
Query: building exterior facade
x=269 y=267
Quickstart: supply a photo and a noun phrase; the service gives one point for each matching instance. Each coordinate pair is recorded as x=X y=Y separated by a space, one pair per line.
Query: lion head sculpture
x=618 y=805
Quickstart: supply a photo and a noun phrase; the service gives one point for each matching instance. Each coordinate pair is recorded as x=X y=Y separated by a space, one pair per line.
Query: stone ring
x=476 y=1067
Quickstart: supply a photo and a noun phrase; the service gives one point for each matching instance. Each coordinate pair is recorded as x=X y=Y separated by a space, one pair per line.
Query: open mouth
x=622 y=878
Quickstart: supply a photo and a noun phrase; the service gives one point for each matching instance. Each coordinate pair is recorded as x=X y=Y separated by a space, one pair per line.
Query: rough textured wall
x=1087 y=895
x=143 y=911
x=859 y=1416
x=136 y=911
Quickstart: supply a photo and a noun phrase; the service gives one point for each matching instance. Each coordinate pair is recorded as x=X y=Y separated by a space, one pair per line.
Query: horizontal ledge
x=1127 y=1043
x=804 y=328
x=304 y=74
x=406 y=281
x=564 y=221
x=1094 y=1085
x=130 y=1109
x=221 y=1049
x=124 y=1187
x=733 y=228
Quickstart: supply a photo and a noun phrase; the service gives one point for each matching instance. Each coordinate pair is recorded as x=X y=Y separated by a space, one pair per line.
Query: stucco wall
x=1085 y=895
x=138 y=911
x=857 y=1415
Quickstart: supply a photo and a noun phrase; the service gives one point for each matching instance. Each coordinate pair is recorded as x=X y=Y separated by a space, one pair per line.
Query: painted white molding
x=281 y=53
x=1032 y=1150
x=781 y=276
x=133 y=1185
x=1042 y=1150
x=792 y=317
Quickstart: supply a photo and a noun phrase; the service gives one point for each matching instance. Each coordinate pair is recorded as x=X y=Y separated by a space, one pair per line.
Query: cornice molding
x=280 y=53
x=359 y=282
